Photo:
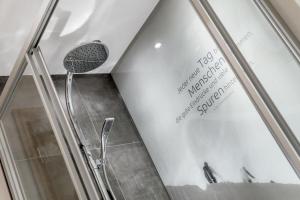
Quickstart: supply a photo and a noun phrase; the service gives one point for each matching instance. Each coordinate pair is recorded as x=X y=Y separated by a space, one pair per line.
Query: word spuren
x=210 y=101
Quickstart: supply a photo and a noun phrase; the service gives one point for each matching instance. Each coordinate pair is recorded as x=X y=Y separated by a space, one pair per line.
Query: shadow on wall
x=236 y=191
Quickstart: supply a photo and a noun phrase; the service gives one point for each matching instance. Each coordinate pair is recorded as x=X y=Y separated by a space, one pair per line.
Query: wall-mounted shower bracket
x=99 y=163
x=94 y=163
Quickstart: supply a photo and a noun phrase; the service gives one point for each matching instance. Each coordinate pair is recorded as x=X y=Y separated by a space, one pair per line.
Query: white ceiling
x=114 y=22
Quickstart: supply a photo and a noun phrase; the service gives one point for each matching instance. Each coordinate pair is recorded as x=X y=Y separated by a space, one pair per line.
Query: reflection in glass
x=269 y=57
x=40 y=165
x=200 y=128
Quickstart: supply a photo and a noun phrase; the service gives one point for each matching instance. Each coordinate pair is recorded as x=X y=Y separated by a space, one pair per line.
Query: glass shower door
x=265 y=58
x=40 y=167
x=203 y=129
x=271 y=58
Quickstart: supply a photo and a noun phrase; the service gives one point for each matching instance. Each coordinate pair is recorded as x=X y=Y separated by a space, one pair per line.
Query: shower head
x=108 y=124
x=86 y=57
x=106 y=128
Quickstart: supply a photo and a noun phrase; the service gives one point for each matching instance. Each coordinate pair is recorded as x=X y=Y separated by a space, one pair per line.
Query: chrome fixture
x=82 y=59
x=86 y=57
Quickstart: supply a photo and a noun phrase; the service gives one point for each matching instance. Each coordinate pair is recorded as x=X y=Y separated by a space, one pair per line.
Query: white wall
x=74 y=22
x=114 y=22
x=231 y=134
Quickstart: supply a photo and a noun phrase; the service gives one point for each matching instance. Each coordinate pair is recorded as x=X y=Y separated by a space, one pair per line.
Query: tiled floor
x=131 y=170
x=135 y=172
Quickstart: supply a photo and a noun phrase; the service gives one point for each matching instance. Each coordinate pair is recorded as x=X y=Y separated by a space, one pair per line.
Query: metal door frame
x=280 y=27
x=276 y=123
x=75 y=162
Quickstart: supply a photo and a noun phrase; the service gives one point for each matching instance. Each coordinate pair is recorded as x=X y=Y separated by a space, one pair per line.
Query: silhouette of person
x=247 y=176
x=209 y=173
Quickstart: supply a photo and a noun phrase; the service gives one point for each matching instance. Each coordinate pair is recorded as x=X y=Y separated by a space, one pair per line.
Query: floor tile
x=136 y=173
x=117 y=190
x=46 y=179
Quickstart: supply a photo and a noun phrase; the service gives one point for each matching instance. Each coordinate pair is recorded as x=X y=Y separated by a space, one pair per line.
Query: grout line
x=37 y=157
x=124 y=144
x=117 y=145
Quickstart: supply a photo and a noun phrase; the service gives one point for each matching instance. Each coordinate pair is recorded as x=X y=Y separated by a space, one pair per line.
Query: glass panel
x=39 y=163
x=203 y=133
x=16 y=19
x=184 y=125
x=290 y=12
x=269 y=58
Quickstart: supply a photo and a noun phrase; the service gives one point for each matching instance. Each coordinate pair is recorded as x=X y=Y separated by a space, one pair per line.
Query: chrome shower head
x=108 y=124
x=86 y=57
x=106 y=128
